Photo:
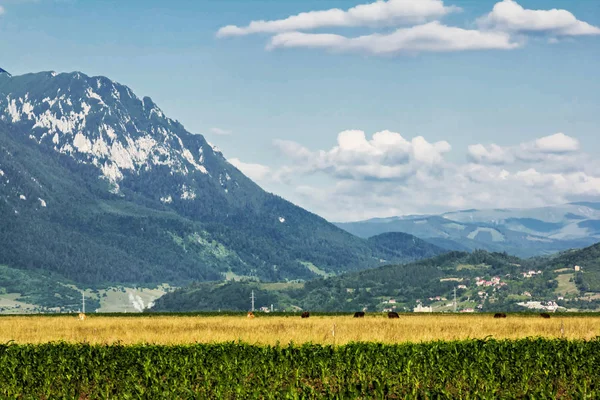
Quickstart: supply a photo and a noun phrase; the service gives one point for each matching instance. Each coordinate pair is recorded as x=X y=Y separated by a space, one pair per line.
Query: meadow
x=271 y=330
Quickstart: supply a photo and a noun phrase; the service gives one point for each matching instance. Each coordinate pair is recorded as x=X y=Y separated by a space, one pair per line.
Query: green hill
x=397 y=245
x=428 y=282
x=588 y=259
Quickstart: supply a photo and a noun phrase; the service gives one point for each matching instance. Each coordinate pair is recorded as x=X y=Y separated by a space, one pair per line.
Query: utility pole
x=252 y=297
x=454 y=298
x=83 y=301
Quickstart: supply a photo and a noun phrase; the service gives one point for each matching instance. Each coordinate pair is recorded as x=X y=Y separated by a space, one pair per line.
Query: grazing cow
x=545 y=315
x=500 y=315
x=359 y=314
x=82 y=316
x=393 y=314
x=305 y=314
x=250 y=314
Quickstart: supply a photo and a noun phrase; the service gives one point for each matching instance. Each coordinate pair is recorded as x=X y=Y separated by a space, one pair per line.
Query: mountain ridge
x=100 y=186
x=522 y=232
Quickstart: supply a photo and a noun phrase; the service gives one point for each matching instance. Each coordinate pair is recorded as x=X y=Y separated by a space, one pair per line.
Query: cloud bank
x=391 y=174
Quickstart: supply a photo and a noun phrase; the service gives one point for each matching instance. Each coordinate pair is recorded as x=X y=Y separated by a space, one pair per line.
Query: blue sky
x=283 y=108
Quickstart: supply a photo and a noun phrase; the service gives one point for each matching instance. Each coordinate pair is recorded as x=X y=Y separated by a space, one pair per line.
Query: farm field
x=329 y=356
x=526 y=368
x=271 y=330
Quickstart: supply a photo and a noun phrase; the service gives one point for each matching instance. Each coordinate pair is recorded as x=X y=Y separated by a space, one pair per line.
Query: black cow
x=500 y=315
x=359 y=314
x=305 y=314
x=393 y=314
x=545 y=315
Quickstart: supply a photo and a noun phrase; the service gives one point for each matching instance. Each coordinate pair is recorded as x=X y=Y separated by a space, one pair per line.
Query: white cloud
x=219 y=131
x=380 y=12
x=257 y=172
x=557 y=147
x=492 y=154
x=574 y=183
x=506 y=27
x=459 y=187
x=2 y=10
x=389 y=174
x=557 y=143
x=387 y=156
x=509 y=16
x=430 y=37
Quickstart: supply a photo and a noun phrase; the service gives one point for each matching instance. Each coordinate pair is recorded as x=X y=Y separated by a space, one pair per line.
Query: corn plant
x=528 y=368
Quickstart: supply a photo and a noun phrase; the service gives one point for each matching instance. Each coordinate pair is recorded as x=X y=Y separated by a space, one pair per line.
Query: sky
x=353 y=109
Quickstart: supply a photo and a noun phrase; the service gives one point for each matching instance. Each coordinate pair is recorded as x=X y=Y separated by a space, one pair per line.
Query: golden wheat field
x=271 y=330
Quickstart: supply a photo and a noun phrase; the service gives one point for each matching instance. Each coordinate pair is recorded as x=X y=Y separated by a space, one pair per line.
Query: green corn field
x=526 y=368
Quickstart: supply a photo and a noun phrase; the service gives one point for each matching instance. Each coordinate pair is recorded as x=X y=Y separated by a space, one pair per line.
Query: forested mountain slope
x=99 y=186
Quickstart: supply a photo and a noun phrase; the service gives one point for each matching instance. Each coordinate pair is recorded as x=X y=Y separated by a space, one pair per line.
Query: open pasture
x=263 y=330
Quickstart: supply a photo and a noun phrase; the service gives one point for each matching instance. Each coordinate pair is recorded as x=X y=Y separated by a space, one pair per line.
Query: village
x=471 y=295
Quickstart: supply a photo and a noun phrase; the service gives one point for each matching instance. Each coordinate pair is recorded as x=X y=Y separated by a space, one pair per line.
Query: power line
x=454 y=298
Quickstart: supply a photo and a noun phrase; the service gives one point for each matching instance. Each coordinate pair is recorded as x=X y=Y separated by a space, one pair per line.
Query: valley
x=101 y=192
x=366 y=199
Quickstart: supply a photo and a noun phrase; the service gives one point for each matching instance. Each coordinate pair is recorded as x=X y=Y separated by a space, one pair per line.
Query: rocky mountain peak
x=99 y=122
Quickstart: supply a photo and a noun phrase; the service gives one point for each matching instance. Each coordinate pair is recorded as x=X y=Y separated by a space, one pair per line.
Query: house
x=529 y=274
x=461 y=287
x=577 y=268
x=538 y=305
x=469 y=310
x=392 y=301
x=526 y=294
x=421 y=308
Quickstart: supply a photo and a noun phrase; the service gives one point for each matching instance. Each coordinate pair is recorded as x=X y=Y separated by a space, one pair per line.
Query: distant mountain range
x=521 y=232
x=99 y=187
